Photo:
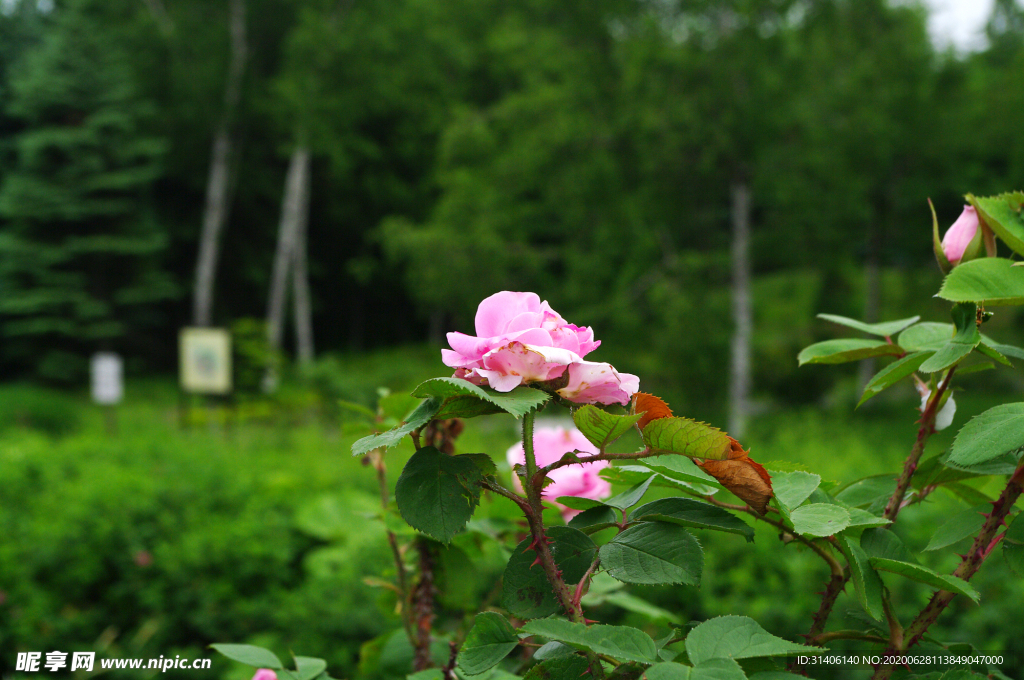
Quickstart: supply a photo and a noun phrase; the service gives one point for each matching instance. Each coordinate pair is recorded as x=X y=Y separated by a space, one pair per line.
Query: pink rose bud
x=959 y=239
x=549 y=445
x=265 y=674
x=521 y=340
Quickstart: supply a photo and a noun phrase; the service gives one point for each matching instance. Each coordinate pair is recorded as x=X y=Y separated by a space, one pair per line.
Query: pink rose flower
x=549 y=445
x=265 y=674
x=960 y=235
x=521 y=340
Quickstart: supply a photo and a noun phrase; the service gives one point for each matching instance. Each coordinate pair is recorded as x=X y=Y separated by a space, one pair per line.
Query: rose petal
x=960 y=235
x=515 y=363
x=598 y=383
x=494 y=313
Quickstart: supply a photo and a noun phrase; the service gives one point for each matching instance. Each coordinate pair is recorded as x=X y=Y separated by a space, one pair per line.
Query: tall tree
x=80 y=252
x=215 y=214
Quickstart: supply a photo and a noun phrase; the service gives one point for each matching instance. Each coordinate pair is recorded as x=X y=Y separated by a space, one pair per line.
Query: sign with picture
x=205 y=360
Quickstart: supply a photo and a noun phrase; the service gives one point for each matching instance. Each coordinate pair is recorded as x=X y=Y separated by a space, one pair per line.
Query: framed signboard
x=205 y=360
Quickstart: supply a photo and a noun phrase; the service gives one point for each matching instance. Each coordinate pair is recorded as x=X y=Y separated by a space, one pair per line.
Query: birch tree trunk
x=215 y=212
x=739 y=374
x=288 y=237
x=300 y=275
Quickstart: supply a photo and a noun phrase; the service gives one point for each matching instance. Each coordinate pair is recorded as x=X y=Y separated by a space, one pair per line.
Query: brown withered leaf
x=743 y=476
x=651 y=406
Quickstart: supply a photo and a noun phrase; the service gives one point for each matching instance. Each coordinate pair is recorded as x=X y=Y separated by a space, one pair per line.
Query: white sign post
x=107 y=378
x=107 y=371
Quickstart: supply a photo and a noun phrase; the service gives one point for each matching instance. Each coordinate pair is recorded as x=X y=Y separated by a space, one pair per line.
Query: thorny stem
x=533 y=485
x=636 y=455
x=927 y=429
x=423 y=607
x=824 y=638
x=985 y=542
x=376 y=458
x=895 y=629
x=578 y=595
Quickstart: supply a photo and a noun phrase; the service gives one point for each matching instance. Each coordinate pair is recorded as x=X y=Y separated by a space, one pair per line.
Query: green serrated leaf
x=866 y=583
x=620 y=642
x=632 y=603
x=893 y=373
x=1013 y=545
x=466 y=406
x=518 y=402
x=437 y=493
x=1002 y=214
x=631 y=496
x=958 y=527
x=601 y=427
x=692 y=513
x=992 y=281
x=579 y=502
x=667 y=671
x=489 y=641
x=1007 y=350
x=560 y=668
x=863 y=518
x=929 y=336
x=916 y=572
x=843 y=350
x=819 y=519
x=250 y=655
x=595 y=519
x=415 y=420
x=882 y=330
x=968 y=493
x=686 y=437
x=654 y=553
x=870 y=493
x=679 y=468
x=883 y=543
x=991 y=353
x=793 y=488
x=308 y=668
x=526 y=592
x=961 y=344
x=989 y=435
x=738 y=637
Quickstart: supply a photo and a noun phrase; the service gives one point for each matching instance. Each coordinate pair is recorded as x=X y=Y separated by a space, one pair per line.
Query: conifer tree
x=79 y=249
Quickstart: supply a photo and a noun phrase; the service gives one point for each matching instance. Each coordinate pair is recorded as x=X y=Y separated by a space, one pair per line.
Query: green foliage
x=991 y=281
x=841 y=351
x=525 y=591
x=688 y=512
x=489 y=641
x=965 y=339
x=989 y=435
x=437 y=493
x=414 y=421
x=654 y=552
x=738 y=637
x=819 y=519
x=686 y=437
x=518 y=402
x=600 y=427
x=884 y=330
x=80 y=256
x=620 y=642
x=1003 y=214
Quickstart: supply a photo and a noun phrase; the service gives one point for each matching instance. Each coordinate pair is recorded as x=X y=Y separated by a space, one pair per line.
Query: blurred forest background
x=364 y=173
